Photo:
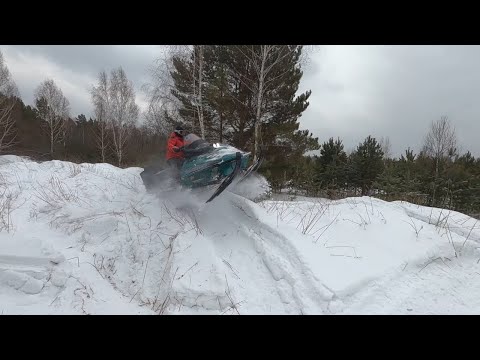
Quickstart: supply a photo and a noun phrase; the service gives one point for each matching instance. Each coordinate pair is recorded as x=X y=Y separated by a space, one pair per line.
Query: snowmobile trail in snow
x=282 y=282
x=420 y=291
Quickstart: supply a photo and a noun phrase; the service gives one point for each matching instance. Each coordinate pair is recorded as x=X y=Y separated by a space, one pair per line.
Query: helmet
x=179 y=130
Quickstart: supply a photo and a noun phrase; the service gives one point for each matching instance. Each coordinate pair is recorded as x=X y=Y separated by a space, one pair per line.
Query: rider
x=175 y=156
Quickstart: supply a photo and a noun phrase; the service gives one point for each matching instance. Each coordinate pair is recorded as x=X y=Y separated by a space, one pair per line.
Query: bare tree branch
x=8 y=90
x=440 y=142
x=264 y=60
x=54 y=109
x=386 y=147
x=441 y=139
x=116 y=111
x=159 y=91
x=8 y=132
x=8 y=87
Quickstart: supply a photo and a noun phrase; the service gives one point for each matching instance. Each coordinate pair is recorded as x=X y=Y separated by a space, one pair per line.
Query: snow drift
x=88 y=239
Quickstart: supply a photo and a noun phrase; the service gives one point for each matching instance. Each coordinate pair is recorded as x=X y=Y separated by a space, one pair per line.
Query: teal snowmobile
x=205 y=165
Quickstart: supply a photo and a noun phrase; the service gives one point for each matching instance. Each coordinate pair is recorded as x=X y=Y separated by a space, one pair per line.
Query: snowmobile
x=205 y=165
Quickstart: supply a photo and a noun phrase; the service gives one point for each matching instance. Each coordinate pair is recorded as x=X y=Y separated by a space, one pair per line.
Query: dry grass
x=8 y=204
x=311 y=217
x=74 y=170
x=56 y=194
x=414 y=226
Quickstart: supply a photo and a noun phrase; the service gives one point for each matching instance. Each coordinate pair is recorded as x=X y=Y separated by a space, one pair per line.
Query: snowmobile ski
x=254 y=167
x=228 y=180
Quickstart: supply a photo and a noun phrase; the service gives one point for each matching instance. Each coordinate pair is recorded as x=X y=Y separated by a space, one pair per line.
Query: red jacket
x=174 y=140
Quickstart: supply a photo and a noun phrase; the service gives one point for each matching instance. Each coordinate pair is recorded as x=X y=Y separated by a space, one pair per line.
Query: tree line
x=48 y=131
x=244 y=95
x=438 y=176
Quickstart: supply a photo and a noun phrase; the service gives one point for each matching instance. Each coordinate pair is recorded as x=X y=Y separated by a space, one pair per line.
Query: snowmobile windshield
x=195 y=145
x=190 y=138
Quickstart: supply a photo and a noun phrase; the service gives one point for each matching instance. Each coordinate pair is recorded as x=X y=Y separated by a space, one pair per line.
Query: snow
x=88 y=239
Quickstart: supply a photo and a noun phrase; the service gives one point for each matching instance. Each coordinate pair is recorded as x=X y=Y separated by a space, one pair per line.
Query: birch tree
x=386 y=147
x=54 y=108
x=7 y=85
x=8 y=90
x=200 y=87
x=242 y=84
x=7 y=125
x=163 y=104
x=164 y=95
x=155 y=119
x=101 y=137
x=123 y=110
x=440 y=143
x=101 y=105
x=264 y=61
x=116 y=111
x=441 y=139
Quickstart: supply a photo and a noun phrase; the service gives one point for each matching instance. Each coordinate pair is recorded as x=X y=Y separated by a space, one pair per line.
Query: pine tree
x=219 y=105
x=230 y=110
x=331 y=165
x=389 y=182
x=367 y=163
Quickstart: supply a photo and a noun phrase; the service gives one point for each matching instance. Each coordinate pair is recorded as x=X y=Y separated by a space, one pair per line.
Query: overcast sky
x=394 y=91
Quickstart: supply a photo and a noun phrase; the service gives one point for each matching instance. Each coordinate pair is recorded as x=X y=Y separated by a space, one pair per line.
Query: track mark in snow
x=30 y=260
x=420 y=292
x=21 y=281
x=286 y=265
x=466 y=232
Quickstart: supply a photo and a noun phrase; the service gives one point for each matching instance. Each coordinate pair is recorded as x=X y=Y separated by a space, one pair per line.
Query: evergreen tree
x=367 y=163
x=229 y=108
x=331 y=165
x=389 y=182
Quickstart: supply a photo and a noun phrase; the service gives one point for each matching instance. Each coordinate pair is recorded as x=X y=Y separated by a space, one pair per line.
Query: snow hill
x=88 y=239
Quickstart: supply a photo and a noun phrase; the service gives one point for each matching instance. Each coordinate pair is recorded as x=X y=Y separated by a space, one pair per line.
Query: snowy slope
x=88 y=239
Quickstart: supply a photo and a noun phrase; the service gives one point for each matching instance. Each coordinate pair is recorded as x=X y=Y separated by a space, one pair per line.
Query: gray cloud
x=90 y=59
x=394 y=91
x=75 y=68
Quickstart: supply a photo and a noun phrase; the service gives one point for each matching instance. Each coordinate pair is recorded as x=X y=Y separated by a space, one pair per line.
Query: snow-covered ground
x=88 y=239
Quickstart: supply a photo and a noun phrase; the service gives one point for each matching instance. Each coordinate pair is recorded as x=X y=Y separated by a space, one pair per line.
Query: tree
x=8 y=92
x=102 y=109
x=406 y=170
x=331 y=163
x=171 y=97
x=54 y=109
x=8 y=130
x=409 y=156
x=219 y=98
x=163 y=105
x=122 y=109
x=332 y=152
x=230 y=101
x=440 y=139
x=267 y=64
x=199 y=100
x=368 y=163
x=7 y=85
x=218 y=91
x=389 y=182
x=440 y=144
x=386 y=147
x=155 y=119
x=102 y=140
x=467 y=160
x=115 y=110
